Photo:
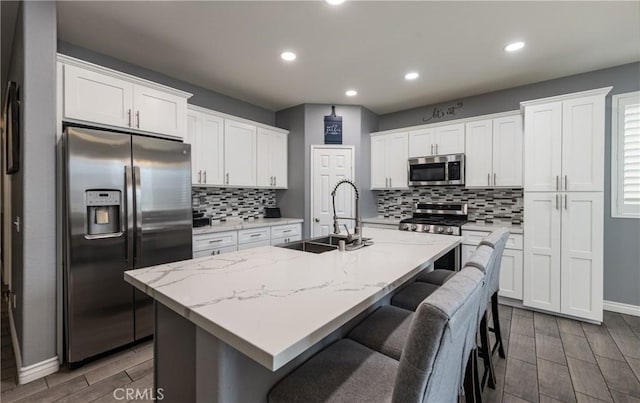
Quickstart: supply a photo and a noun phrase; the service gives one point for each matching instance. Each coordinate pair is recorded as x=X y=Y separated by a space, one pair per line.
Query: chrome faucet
x=336 y=226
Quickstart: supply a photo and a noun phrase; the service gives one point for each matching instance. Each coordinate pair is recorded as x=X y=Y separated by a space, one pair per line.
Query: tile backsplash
x=486 y=205
x=221 y=204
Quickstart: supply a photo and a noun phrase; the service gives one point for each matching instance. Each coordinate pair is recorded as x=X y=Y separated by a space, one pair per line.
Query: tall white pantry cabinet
x=564 y=203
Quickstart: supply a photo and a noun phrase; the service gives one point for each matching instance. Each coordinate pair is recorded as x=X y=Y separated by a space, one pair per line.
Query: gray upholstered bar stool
x=498 y=241
x=438 y=340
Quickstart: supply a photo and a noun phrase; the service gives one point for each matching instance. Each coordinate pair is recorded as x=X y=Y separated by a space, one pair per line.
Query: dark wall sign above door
x=440 y=112
x=333 y=127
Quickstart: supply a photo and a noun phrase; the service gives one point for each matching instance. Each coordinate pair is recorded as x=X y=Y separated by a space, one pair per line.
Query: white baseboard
x=35 y=371
x=619 y=307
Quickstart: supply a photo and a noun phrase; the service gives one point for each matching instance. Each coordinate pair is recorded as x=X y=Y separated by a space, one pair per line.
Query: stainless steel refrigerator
x=127 y=205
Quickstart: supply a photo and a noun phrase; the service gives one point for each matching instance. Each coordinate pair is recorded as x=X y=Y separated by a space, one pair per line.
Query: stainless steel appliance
x=439 y=218
x=437 y=170
x=127 y=205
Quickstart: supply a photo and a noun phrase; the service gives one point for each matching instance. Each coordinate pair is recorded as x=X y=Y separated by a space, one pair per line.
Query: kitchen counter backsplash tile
x=222 y=204
x=484 y=205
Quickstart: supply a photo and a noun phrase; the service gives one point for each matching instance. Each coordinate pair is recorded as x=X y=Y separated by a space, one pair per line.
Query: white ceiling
x=234 y=47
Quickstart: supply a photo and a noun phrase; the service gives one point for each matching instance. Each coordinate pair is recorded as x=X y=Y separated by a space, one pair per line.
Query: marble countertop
x=490 y=226
x=272 y=303
x=382 y=220
x=238 y=225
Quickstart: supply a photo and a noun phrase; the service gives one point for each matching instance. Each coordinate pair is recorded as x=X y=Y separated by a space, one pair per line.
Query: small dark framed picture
x=12 y=128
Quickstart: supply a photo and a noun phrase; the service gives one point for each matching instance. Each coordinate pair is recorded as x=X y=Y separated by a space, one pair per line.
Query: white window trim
x=616 y=137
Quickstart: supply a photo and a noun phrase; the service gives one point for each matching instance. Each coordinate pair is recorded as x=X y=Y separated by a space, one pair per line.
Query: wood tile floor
x=549 y=360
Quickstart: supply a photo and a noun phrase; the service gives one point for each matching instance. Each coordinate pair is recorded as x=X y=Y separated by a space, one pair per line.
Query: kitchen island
x=228 y=327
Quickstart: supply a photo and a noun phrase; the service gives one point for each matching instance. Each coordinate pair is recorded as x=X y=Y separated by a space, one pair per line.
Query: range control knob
x=405 y=227
x=414 y=227
x=427 y=228
x=440 y=229
x=450 y=230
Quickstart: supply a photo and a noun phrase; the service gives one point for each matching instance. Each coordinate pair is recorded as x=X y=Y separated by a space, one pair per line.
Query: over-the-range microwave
x=437 y=170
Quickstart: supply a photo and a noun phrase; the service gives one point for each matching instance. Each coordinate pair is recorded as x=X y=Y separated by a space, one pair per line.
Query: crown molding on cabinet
x=201 y=109
x=114 y=73
x=447 y=122
x=597 y=91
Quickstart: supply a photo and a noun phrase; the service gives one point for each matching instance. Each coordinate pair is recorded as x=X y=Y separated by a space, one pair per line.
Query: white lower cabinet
x=230 y=241
x=563 y=253
x=511 y=267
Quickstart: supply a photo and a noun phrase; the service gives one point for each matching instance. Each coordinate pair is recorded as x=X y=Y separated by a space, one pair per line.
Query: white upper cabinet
x=379 y=178
x=159 y=112
x=271 y=159
x=96 y=97
x=389 y=155
x=543 y=147
x=507 y=151
x=493 y=151
x=478 y=153
x=439 y=140
x=205 y=133
x=106 y=97
x=564 y=143
x=583 y=144
x=449 y=139
x=240 y=153
x=421 y=143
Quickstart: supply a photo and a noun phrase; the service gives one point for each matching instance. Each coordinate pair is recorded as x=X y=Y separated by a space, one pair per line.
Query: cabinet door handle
x=566 y=197
x=199 y=176
x=287 y=230
x=271 y=180
x=138 y=118
x=488 y=179
x=557 y=182
x=275 y=181
x=216 y=241
x=390 y=182
x=436 y=149
x=431 y=149
x=557 y=203
x=494 y=178
x=255 y=235
x=386 y=182
x=205 y=176
x=566 y=183
x=129 y=113
x=227 y=181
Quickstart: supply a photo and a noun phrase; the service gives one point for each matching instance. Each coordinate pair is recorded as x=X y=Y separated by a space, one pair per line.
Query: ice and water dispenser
x=104 y=211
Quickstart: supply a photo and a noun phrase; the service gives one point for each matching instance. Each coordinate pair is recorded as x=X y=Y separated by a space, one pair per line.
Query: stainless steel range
x=439 y=218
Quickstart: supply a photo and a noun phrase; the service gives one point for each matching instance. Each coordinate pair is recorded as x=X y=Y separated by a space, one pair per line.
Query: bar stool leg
x=485 y=354
x=496 y=326
x=470 y=378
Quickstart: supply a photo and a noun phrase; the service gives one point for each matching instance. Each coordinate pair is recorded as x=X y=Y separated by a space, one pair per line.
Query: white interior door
x=542 y=251
x=478 y=152
x=330 y=165
x=582 y=254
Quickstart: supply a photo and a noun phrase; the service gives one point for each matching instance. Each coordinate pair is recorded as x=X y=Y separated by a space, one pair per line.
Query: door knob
x=317 y=220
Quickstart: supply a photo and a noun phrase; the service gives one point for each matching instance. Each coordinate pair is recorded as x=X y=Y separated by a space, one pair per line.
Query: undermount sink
x=309 y=246
x=323 y=244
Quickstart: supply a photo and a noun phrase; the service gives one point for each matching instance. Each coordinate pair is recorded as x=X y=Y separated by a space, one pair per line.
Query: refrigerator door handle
x=128 y=189
x=138 y=220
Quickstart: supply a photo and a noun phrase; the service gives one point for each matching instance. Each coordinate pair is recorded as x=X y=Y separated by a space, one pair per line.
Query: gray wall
x=621 y=236
x=33 y=189
x=201 y=96
x=308 y=121
x=291 y=201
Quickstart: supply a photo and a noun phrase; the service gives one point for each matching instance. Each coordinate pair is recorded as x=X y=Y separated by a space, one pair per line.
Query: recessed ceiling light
x=351 y=93
x=288 y=56
x=411 y=76
x=335 y=2
x=512 y=47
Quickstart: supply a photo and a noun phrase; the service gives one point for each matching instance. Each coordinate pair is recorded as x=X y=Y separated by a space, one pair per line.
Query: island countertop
x=272 y=303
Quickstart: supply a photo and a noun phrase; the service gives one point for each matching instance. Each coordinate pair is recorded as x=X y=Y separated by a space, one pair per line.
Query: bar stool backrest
x=483 y=259
x=498 y=241
x=435 y=354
